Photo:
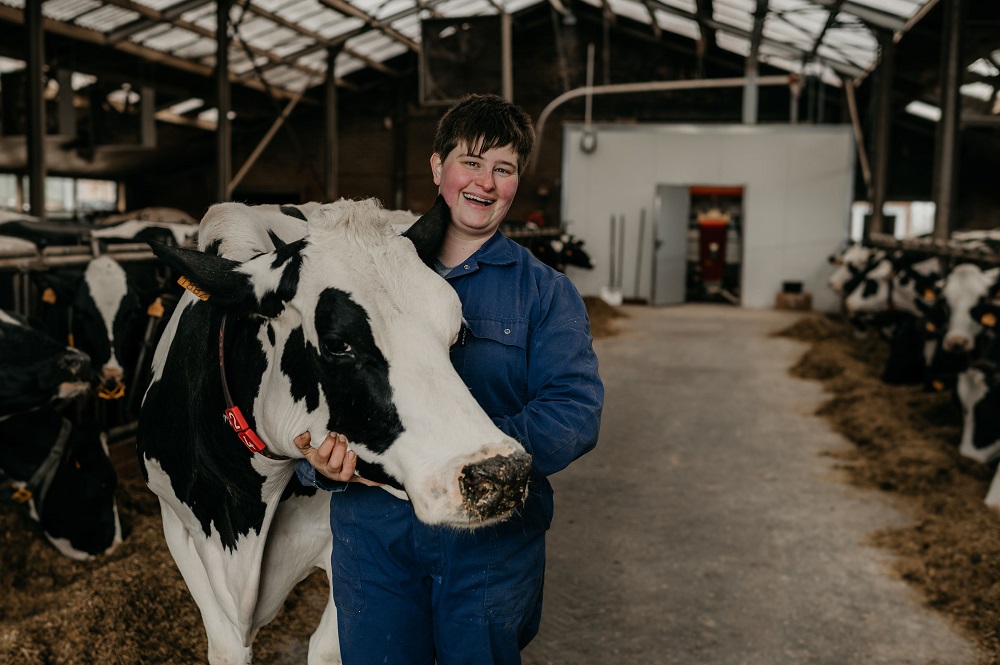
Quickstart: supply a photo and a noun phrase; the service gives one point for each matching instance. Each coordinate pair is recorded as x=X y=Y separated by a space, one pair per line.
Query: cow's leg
x=298 y=543
x=225 y=647
x=992 y=499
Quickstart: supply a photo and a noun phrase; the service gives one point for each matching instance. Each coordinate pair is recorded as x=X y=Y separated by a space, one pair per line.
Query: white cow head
x=963 y=289
x=351 y=333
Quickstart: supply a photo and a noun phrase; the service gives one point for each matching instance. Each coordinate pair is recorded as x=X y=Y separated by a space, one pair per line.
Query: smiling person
x=412 y=594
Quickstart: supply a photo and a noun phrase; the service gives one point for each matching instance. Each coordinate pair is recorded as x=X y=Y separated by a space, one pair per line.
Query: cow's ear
x=212 y=278
x=427 y=233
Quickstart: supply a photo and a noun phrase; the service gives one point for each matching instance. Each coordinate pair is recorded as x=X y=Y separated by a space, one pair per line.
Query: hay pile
x=907 y=446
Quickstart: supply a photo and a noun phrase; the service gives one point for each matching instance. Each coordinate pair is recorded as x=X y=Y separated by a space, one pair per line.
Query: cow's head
x=97 y=311
x=35 y=369
x=355 y=338
x=63 y=473
x=965 y=287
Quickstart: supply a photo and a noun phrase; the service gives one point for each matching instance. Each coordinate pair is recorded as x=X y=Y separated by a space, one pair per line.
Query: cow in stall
x=966 y=287
x=314 y=318
x=559 y=251
x=978 y=390
x=35 y=369
x=99 y=311
x=896 y=294
x=59 y=469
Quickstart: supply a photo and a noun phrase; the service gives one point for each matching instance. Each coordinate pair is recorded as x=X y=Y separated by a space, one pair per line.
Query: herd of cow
x=72 y=363
x=938 y=307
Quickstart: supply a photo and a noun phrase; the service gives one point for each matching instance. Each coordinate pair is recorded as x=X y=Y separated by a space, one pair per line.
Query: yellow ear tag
x=186 y=283
x=937 y=385
x=931 y=327
x=929 y=295
x=156 y=309
x=989 y=319
x=49 y=296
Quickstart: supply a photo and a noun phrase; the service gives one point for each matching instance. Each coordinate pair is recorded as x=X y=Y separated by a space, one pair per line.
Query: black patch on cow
x=292 y=211
x=296 y=488
x=299 y=363
x=427 y=233
x=213 y=247
x=355 y=382
x=376 y=472
x=275 y=240
x=270 y=333
x=986 y=419
x=181 y=425
x=905 y=364
x=871 y=288
x=289 y=256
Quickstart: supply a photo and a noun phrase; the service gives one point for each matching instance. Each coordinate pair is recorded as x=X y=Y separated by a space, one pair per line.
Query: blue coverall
x=411 y=594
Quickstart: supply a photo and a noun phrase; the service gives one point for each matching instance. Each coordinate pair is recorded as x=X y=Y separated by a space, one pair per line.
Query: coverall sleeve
x=308 y=476
x=562 y=418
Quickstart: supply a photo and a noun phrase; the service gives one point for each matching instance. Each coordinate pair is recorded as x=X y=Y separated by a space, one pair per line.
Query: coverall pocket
x=517 y=566
x=348 y=593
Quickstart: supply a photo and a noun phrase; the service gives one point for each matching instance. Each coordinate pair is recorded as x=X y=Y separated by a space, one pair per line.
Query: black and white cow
x=98 y=311
x=317 y=318
x=965 y=287
x=61 y=470
x=36 y=370
x=559 y=251
x=978 y=390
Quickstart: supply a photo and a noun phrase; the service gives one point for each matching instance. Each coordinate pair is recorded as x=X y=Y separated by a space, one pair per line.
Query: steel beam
x=36 y=107
x=883 y=131
x=223 y=128
x=947 y=140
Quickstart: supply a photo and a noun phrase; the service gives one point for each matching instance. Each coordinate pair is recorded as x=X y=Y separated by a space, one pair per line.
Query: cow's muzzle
x=495 y=487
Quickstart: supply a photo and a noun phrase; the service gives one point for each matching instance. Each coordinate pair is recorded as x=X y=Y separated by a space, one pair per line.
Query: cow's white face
x=848 y=266
x=356 y=340
x=963 y=288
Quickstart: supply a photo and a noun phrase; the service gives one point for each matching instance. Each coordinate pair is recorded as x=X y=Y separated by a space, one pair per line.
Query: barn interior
x=709 y=152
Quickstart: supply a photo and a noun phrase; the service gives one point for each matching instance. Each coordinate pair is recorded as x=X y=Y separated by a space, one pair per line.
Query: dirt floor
x=132 y=606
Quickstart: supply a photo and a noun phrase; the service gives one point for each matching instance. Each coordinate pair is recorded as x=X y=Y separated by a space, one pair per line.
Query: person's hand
x=333 y=458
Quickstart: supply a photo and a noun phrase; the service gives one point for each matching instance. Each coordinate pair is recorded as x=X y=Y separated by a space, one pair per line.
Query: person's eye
x=503 y=169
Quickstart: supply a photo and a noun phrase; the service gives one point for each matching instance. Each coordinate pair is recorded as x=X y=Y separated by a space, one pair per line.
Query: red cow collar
x=233 y=414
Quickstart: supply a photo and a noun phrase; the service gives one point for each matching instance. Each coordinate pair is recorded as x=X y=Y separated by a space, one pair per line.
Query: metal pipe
x=223 y=130
x=41 y=263
x=947 y=144
x=883 y=129
x=859 y=138
x=36 y=107
x=649 y=86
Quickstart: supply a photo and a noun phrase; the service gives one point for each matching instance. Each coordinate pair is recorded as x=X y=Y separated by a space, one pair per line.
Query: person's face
x=477 y=188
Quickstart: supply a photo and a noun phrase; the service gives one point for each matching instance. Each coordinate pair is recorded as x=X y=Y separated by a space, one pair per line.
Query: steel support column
x=223 y=131
x=883 y=125
x=331 y=139
x=947 y=139
x=36 y=107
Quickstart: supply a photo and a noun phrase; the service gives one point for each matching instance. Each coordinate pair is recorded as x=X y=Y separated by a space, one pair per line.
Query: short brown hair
x=485 y=122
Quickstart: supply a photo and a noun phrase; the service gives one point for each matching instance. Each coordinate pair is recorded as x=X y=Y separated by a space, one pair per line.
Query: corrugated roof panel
x=514 y=6
x=466 y=8
x=731 y=14
x=678 y=25
x=733 y=43
x=159 y=5
x=783 y=32
x=204 y=15
x=369 y=7
x=297 y=12
x=902 y=8
x=409 y=26
x=292 y=46
x=13 y=3
x=150 y=32
x=10 y=65
x=346 y=65
x=630 y=9
x=67 y=10
x=106 y=18
x=393 y=7
x=689 y=6
x=196 y=50
x=169 y=39
x=338 y=25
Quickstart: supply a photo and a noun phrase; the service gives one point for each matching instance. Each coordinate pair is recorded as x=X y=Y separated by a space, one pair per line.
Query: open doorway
x=698 y=245
x=715 y=244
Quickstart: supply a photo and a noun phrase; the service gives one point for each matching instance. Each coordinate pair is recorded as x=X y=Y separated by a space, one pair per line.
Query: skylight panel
x=297 y=12
x=734 y=16
x=393 y=7
x=902 y=8
x=690 y=6
x=196 y=49
x=778 y=30
x=630 y=9
x=924 y=110
x=67 y=10
x=107 y=18
x=158 y=5
x=730 y=42
x=409 y=26
x=180 y=108
x=339 y=26
x=978 y=90
x=170 y=39
x=346 y=65
x=984 y=68
x=8 y=65
x=678 y=24
x=514 y=6
x=292 y=46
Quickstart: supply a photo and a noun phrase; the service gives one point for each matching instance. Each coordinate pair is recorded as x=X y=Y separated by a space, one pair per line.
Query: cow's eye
x=337 y=348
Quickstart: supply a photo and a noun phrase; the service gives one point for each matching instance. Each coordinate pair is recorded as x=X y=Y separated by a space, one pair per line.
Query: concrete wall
x=798 y=186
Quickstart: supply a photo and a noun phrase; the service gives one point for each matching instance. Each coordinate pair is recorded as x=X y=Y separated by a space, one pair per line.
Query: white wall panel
x=797 y=180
